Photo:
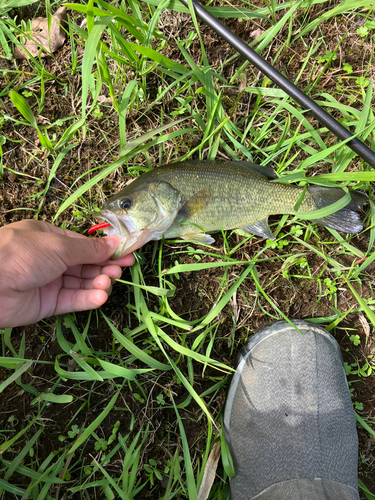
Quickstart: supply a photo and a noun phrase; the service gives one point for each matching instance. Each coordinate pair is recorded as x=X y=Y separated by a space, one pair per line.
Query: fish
x=193 y=199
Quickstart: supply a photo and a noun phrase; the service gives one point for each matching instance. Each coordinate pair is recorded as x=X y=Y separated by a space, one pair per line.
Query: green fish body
x=192 y=198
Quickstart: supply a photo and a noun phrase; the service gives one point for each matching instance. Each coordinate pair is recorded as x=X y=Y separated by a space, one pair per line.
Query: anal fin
x=259 y=228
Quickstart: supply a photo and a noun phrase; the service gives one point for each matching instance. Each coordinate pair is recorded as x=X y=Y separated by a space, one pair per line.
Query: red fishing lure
x=96 y=227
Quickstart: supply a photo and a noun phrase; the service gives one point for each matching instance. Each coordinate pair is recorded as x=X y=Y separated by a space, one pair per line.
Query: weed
x=327 y=57
x=355 y=339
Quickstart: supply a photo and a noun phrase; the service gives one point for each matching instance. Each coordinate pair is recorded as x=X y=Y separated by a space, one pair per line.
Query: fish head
x=140 y=215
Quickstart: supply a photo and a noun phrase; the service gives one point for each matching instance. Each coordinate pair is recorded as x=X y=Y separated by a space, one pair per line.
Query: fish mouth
x=117 y=225
x=122 y=226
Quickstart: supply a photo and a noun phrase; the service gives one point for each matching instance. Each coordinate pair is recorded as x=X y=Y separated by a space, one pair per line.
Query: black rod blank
x=302 y=99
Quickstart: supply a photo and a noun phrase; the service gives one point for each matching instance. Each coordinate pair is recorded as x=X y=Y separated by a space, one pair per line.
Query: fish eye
x=126 y=204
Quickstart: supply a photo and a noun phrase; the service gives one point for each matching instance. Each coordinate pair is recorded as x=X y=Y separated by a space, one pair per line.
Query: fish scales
x=238 y=196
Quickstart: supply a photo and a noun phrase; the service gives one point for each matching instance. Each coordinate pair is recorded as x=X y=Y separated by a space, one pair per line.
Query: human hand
x=45 y=270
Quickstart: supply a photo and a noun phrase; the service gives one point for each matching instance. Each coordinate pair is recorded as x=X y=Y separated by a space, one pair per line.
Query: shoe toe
x=288 y=413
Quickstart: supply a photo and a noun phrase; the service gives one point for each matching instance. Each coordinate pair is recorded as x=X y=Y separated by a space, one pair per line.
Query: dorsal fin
x=268 y=172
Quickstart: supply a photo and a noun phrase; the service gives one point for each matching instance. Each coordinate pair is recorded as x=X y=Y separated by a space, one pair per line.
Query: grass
x=126 y=402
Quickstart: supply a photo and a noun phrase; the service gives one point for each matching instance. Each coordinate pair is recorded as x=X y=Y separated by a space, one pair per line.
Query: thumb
x=76 y=251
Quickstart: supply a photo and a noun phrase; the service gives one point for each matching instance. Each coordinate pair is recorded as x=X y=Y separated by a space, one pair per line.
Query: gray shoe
x=289 y=420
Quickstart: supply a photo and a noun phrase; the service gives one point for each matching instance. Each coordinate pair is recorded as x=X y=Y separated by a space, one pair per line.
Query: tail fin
x=346 y=219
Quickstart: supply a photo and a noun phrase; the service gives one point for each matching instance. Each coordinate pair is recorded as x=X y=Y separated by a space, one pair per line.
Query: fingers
x=67 y=246
x=76 y=251
x=91 y=271
x=109 y=241
x=113 y=241
x=70 y=247
x=111 y=268
x=101 y=282
x=73 y=300
x=79 y=294
x=127 y=260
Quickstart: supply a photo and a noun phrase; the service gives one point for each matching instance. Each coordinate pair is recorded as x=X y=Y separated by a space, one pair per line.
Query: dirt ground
x=28 y=167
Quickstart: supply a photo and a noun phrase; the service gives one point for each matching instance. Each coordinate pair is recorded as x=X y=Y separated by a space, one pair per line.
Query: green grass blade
x=89 y=430
x=224 y=11
x=154 y=21
x=272 y=32
x=192 y=487
x=87 y=375
x=370 y=314
x=215 y=311
x=22 y=369
x=80 y=191
x=65 y=346
x=152 y=328
x=12 y=363
x=23 y=107
x=91 y=373
x=226 y=456
x=7 y=444
x=69 y=133
x=17 y=461
x=120 y=371
x=120 y=494
x=80 y=342
x=191 y=354
x=10 y=488
x=91 y=47
x=324 y=212
x=133 y=349
x=364 y=424
x=128 y=151
x=346 y=6
x=183 y=268
x=346 y=177
x=159 y=58
x=366 y=492
x=126 y=96
x=55 y=398
x=159 y=292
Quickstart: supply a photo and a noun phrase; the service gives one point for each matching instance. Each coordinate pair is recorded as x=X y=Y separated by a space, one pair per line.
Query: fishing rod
x=288 y=87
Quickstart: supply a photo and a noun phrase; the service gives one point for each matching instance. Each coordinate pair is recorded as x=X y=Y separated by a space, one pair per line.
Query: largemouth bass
x=192 y=198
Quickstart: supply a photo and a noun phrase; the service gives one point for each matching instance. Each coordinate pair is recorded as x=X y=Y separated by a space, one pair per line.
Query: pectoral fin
x=194 y=205
x=259 y=228
x=199 y=238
